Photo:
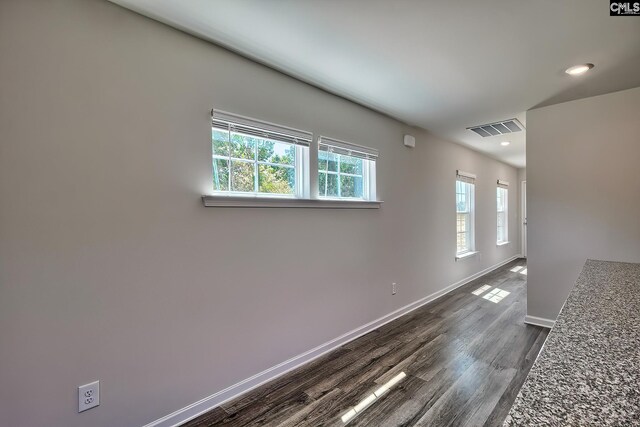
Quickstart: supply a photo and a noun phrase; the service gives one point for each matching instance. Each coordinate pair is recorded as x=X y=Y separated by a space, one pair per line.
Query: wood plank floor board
x=470 y=399
x=465 y=358
x=430 y=391
x=272 y=414
x=396 y=407
x=429 y=360
x=284 y=385
x=479 y=407
x=327 y=407
x=355 y=371
x=367 y=370
x=506 y=400
x=211 y=418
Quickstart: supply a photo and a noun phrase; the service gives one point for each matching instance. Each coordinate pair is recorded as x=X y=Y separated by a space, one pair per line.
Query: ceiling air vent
x=498 y=128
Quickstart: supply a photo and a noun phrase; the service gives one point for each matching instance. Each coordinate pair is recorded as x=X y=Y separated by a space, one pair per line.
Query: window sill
x=285 y=202
x=502 y=243
x=466 y=255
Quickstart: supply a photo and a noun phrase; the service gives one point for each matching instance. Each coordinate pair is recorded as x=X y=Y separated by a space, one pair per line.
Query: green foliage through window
x=249 y=164
x=340 y=175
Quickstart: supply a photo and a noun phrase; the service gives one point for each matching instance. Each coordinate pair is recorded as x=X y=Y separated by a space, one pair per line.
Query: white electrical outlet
x=88 y=396
x=394 y=288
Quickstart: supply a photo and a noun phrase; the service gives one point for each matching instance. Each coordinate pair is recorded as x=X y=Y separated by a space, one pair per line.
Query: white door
x=524 y=218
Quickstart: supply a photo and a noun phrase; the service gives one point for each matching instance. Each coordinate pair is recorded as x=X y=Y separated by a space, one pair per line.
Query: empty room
x=319 y=213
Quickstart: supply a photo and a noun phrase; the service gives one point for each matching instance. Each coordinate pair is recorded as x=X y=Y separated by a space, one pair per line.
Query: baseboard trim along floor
x=208 y=403
x=539 y=321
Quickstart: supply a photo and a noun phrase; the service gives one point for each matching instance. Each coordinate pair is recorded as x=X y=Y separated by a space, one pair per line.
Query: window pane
x=462 y=223
x=461 y=203
x=463 y=232
x=326 y=159
x=463 y=195
x=220 y=175
x=500 y=219
x=242 y=176
x=276 y=179
x=501 y=199
x=464 y=217
x=328 y=185
x=322 y=162
x=243 y=147
x=276 y=152
x=462 y=243
x=350 y=186
x=345 y=176
x=220 y=140
x=502 y=206
x=322 y=180
x=351 y=165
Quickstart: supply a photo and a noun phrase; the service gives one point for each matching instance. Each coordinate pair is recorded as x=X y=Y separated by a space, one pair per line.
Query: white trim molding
x=466 y=255
x=208 y=403
x=523 y=218
x=539 y=321
x=286 y=202
x=466 y=174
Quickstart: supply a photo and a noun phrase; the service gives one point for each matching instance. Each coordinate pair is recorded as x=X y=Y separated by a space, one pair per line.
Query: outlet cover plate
x=88 y=396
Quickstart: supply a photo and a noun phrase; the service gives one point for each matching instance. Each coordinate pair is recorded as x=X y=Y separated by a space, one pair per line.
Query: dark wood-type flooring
x=465 y=360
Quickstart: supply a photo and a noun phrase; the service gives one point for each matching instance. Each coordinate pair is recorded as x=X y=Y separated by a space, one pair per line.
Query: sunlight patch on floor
x=516 y=269
x=369 y=400
x=496 y=295
x=481 y=289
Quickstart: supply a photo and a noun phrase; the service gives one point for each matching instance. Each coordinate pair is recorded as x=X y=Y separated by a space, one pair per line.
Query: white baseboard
x=539 y=321
x=208 y=403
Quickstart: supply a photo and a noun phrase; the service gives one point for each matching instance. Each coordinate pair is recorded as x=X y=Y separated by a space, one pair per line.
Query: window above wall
x=261 y=164
x=465 y=214
x=345 y=170
x=502 y=213
x=251 y=157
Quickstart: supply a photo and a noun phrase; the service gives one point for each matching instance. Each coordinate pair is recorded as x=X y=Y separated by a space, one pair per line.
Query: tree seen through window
x=243 y=163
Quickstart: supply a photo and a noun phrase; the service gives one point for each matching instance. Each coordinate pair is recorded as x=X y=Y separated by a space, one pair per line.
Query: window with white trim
x=465 y=193
x=253 y=157
x=502 y=201
x=346 y=170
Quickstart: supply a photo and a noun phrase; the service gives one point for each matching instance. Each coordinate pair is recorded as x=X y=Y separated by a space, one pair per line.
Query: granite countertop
x=588 y=372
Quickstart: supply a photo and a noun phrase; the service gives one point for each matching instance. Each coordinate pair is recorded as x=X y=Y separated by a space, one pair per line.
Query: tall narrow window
x=346 y=170
x=465 y=192
x=502 y=199
x=258 y=158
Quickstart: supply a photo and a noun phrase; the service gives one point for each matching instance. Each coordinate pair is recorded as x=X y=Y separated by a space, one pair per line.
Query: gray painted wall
x=111 y=268
x=583 y=190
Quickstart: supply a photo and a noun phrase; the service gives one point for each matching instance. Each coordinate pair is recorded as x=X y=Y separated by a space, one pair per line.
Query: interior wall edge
x=539 y=321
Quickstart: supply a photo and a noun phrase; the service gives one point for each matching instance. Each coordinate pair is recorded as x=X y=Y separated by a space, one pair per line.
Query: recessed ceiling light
x=578 y=69
x=505 y=143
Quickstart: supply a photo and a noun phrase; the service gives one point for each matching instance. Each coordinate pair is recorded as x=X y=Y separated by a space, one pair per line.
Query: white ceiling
x=439 y=65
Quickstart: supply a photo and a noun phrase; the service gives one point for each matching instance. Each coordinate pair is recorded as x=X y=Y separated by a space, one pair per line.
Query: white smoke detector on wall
x=409 y=141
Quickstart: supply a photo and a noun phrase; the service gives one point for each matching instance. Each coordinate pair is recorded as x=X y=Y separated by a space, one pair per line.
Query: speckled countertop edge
x=588 y=372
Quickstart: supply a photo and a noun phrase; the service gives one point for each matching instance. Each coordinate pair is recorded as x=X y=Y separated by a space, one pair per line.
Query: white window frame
x=271 y=132
x=502 y=238
x=305 y=166
x=340 y=148
x=468 y=180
